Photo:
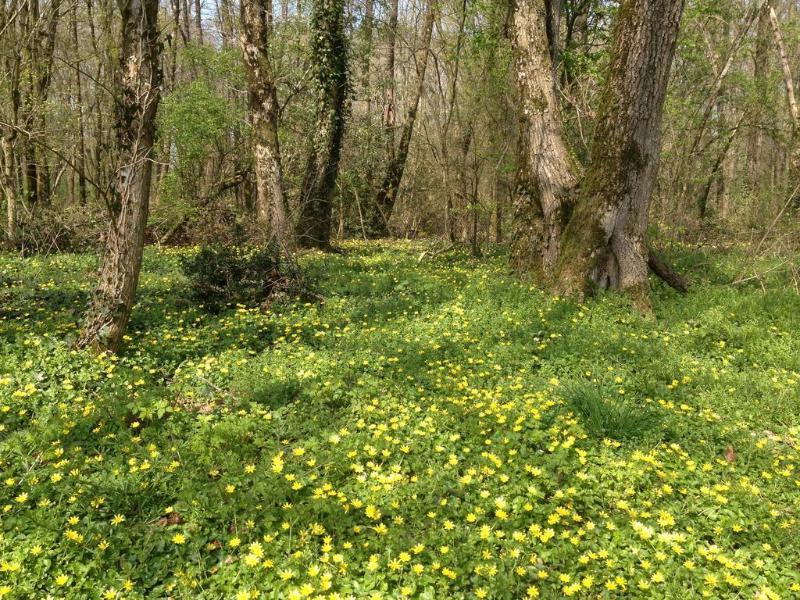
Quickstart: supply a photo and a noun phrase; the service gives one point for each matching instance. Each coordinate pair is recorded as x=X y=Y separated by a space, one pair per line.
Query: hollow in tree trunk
x=137 y=84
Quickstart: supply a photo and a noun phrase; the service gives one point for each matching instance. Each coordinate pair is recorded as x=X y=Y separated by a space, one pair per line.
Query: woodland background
x=729 y=126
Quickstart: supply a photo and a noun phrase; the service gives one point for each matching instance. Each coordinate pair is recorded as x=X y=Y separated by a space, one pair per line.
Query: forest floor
x=434 y=429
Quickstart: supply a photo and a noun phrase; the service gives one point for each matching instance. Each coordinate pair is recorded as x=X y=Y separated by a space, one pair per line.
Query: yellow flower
x=179 y=539
x=62 y=580
x=117 y=519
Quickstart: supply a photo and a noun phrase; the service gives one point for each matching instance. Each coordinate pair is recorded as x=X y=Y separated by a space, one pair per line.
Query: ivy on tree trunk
x=137 y=84
x=329 y=57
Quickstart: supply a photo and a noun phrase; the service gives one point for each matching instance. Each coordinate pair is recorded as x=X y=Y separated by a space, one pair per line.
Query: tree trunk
x=604 y=243
x=389 y=117
x=794 y=111
x=366 y=33
x=198 y=21
x=8 y=134
x=329 y=55
x=755 y=142
x=9 y=188
x=788 y=81
x=390 y=186
x=545 y=177
x=80 y=157
x=271 y=206
x=137 y=84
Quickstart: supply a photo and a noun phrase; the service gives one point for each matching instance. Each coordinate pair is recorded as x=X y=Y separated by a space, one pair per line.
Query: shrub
x=225 y=275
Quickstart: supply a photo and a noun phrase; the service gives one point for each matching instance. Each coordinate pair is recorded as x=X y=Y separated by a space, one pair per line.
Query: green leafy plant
x=605 y=416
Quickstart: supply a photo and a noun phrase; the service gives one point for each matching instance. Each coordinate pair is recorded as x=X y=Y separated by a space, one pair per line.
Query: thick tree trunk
x=329 y=52
x=390 y=186
x=604 y=245
x=546 y=175
x=271 y=206
x=137 y=84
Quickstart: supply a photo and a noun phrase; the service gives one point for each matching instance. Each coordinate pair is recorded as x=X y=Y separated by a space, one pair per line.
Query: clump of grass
x=608 y=417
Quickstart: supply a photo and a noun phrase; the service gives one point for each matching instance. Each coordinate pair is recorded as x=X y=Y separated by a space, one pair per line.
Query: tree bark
x=389 y=117
x=755 y=142
x=794 y=111
x=390 y=186
x=788 y=81
x=604 y=243
x=271 y=206
x=9 y=188
x=366 y=34
x=546 y=177
x=198 y=20
x=80 y=158
x=137 y=83
x=329 y=55
x=8 y=159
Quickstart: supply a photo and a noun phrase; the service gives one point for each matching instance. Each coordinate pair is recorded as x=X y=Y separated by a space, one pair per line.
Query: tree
x=546 y=174
x=603 y=243
x=396 y=164
x=329 y=56
x=271 y=206
x=137 y=81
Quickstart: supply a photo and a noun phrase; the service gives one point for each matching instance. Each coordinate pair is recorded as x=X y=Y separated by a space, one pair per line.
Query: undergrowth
x=434 y=429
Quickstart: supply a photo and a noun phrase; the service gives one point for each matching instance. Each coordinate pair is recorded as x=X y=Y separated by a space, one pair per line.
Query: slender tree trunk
x=137 y=84
x=329 y=52
x=755 y=142
x=788 y=80
x=198 y=20
x=366 y=33
x=794 y=112
x=9 y=188
x=546 y=175
x=187 y=31
x=604 y=244
x=271 y=206
x=387 y=194
x=498 y=211
x=389 y=117
x=80 y=158
x=452 y=110
x=8 y=134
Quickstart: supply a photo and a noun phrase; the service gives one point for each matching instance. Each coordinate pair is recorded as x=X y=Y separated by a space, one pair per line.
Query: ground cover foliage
x=434 y=429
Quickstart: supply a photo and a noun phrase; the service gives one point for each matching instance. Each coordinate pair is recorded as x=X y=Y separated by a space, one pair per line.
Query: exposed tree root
x=666 y=273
